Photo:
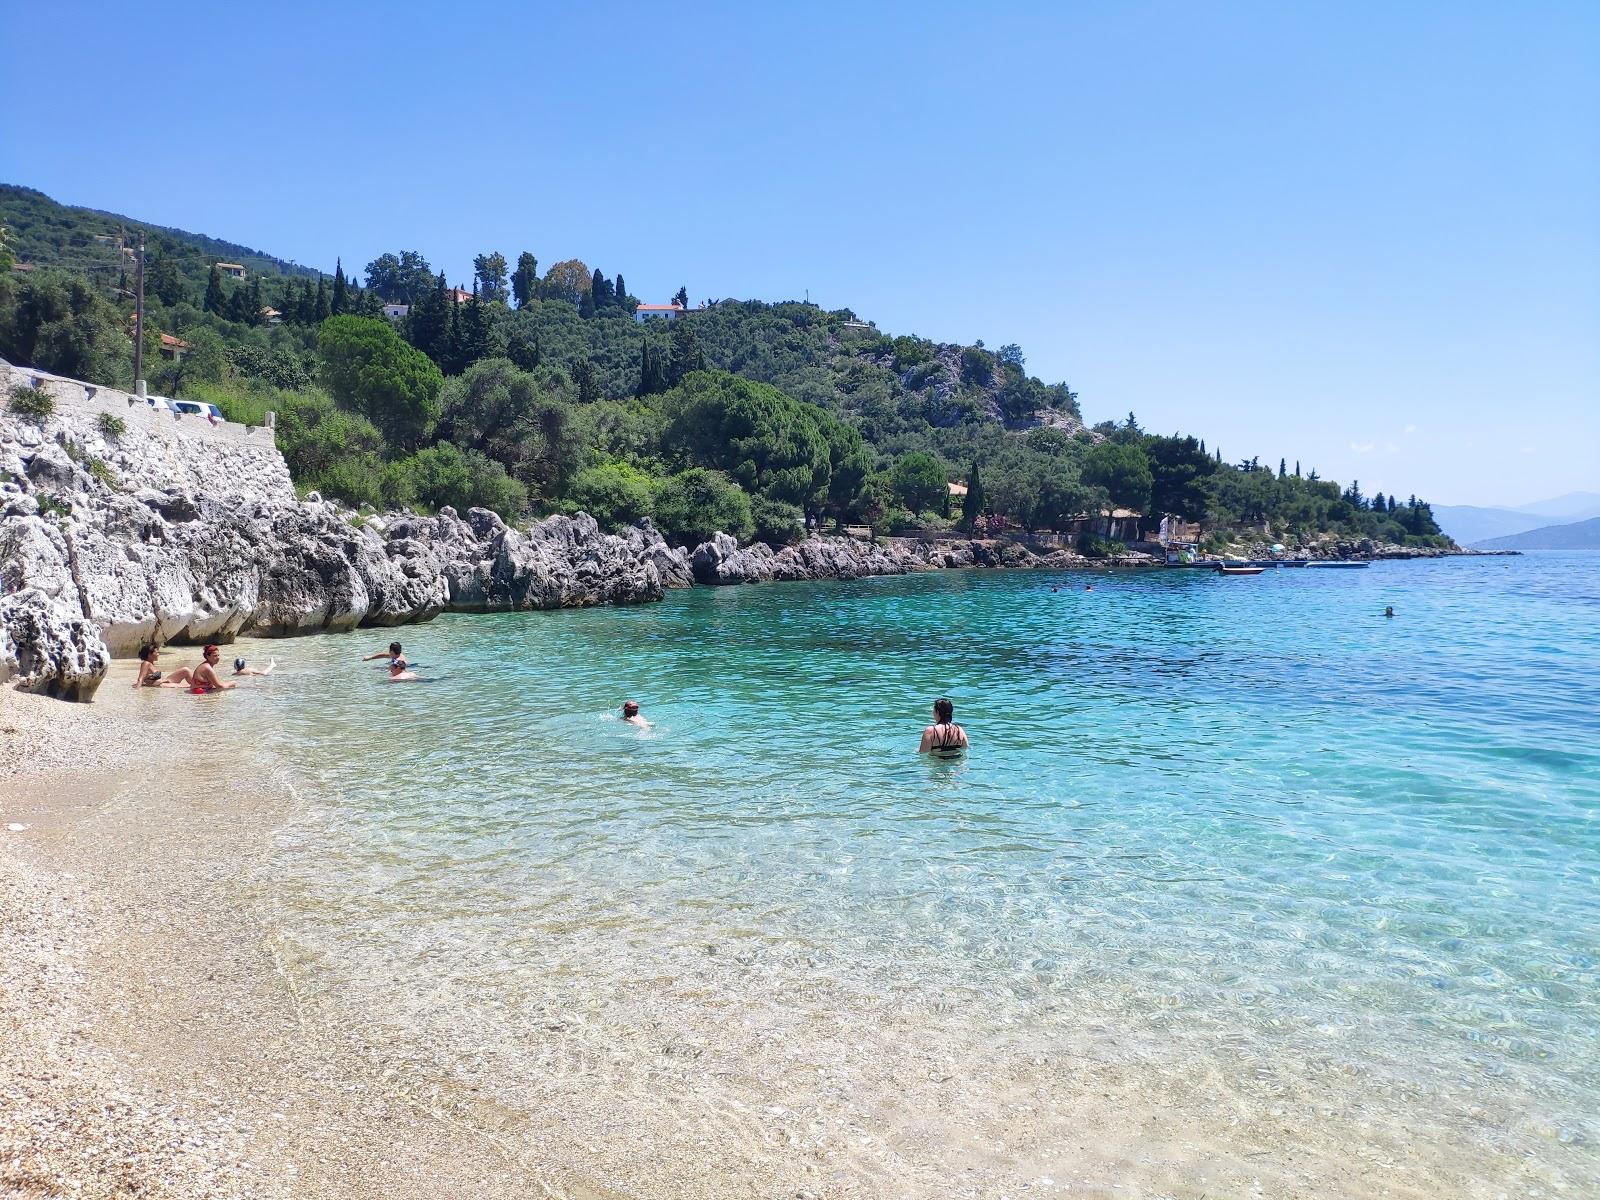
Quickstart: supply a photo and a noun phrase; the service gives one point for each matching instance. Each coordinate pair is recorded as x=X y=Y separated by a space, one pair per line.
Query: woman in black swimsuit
x=944 y=736
x=148 y=676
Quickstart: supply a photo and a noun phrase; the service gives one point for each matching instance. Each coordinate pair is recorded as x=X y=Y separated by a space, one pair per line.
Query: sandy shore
x=156 y=1045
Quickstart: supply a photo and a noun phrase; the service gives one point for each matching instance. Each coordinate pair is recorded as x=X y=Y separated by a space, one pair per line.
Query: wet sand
x=173 y=1042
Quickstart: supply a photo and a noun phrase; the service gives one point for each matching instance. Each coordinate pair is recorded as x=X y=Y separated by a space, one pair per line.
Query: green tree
x=405 y=278
x=687 y=356
x=490 y=272
x=601 y=291
x=367 y=367
x=1179 y=470
x=680 y=297
x=921 y=482
x=568 y=280
x=614 y=494
x=972 y=504
x=163 y=280
x=1123 y=471
x=206 y=361
x=216 y=300
x=697 y=503
x=447 y=475
x=61 y=323
x=525 y=279
x=769 y=443
x=428 y=324
x=341 y=289
x=323 y=309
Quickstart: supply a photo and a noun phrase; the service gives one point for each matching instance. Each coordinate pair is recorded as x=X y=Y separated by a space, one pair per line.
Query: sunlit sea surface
x=1239 y=877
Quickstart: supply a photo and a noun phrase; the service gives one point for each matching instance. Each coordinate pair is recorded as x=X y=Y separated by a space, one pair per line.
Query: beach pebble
x=14 y=827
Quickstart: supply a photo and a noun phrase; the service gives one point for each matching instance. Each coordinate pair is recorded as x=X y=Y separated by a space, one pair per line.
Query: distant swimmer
x=944 y=737
x=1389 y=612
x=149 y=676
x=239 y=667
x=393 y=654
x=1088 y=587
x=203 y=678
x=630 y=714
x=399 y=674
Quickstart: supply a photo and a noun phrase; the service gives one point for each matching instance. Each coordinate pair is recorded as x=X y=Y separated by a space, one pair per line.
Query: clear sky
x=1364 y=235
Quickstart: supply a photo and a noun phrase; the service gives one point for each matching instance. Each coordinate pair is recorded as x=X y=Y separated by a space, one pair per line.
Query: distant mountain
x=1574 y=506
x=1580 y=535
x=1468 y=523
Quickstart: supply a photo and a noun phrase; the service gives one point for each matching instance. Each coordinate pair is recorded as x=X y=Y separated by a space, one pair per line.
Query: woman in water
x=944 y=736
x=149 y=655
x=204 y=677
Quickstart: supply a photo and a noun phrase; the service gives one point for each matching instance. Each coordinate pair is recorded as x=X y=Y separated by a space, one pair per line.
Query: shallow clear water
x=1244 y=842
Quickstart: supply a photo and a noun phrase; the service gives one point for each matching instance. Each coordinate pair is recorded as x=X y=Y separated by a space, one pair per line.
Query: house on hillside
x=958 y=491
x=396 y=312
x=172 y=348
x=270 y=316
x=458 y=295
x=650 y=312
x=231 y=270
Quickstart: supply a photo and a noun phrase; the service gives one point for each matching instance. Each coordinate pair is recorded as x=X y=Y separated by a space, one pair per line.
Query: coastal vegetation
x=541 y=392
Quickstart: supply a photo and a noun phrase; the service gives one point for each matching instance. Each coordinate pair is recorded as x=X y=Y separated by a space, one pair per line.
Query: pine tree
x=216 y=299
x=341 y=290
x=429 y=325
x=256 y=316
x=1283 y=468
x=1379 y=504
x=322 y=311
x=681 y=297
x=586 y=304
x=1392 y=505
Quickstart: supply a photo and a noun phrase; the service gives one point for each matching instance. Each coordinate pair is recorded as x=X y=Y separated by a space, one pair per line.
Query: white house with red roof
x=649 y=312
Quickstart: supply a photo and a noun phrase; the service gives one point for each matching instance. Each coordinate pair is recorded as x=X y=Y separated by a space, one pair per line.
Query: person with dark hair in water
x=944 y=737
x=240 y=668
x=630 y=714
x=149 y=676
x=203 y=679
x=393 y=654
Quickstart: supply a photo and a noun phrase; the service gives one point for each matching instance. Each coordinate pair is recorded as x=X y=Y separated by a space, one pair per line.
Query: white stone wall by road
x=161 y=450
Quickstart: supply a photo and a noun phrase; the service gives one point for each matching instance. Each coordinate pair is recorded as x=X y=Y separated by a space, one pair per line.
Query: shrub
x=102 y=471
x=31 y=403
x=111 y=426
x=445 y=474
x=776 y=523
x=692 y=506
x=614 y=494
x=53 y=506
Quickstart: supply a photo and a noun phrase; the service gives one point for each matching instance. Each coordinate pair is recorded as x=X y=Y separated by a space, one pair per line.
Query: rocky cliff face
x=189 y=532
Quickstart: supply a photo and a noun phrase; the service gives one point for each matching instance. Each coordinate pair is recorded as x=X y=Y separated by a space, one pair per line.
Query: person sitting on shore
x=203 y=679
x=239 y=667
x=148 y=676
x=944 y=737
x=630 y=714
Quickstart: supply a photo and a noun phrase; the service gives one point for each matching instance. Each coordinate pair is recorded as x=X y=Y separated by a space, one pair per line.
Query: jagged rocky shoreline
x=121 y=525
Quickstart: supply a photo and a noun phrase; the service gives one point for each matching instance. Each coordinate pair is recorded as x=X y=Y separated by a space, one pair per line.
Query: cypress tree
x=429 y=326
x=525 y=279
x=323 y=312
x=972 y=503
x=256 y=317
x=306 y=310
x=586 y=304
x=622 y=289
x=687 y=356
x=1297 y=468
x=341 y=292
x=1392 y=505
x=216 y=300
x=588 y=384
x=1283 y=468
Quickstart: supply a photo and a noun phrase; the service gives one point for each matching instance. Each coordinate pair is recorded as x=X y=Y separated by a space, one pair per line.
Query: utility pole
x=138 y=322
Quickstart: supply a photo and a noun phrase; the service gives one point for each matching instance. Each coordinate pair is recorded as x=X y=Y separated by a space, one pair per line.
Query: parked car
x=198 y=409
x=160 y=403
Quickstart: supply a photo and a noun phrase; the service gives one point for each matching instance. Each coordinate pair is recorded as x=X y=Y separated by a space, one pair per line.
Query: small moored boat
x=1240 y=570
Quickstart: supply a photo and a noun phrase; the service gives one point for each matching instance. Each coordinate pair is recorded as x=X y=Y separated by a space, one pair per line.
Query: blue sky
x=1364 y=236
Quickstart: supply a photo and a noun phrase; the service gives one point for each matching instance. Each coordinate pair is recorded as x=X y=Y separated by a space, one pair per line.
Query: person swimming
x=944 y=737
x=630 y=714
x=239 y=667
x=393 y=654
x=1389 y=611
x=400 y=673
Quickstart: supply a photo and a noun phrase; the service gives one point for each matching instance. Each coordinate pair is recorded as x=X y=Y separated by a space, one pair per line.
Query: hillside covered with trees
x=537 y=390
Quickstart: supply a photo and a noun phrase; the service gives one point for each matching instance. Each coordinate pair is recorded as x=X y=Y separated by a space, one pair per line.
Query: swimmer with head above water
x=630 y=714
x=239 y=667
x=393 y=654
x=203 y=679
x=944 y=737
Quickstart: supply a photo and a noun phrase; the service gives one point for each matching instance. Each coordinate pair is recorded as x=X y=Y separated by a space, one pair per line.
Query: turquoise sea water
x=1243 y=849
